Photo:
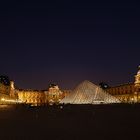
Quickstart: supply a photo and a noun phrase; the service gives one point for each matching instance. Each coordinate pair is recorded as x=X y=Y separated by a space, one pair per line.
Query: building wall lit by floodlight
x=125 y=93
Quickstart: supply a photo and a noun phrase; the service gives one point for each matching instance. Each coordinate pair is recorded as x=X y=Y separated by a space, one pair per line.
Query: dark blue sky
x=67 y=42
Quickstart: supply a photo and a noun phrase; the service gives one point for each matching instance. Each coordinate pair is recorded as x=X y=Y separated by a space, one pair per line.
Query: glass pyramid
x=88 y=93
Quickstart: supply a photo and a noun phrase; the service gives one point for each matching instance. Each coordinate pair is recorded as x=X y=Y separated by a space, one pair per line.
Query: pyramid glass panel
x=88 y=93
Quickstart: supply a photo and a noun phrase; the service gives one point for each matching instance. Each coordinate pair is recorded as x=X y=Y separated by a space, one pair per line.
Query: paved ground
x=72 y=122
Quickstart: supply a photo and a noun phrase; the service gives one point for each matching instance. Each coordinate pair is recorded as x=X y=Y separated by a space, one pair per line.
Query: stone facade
x=137 y=82
x=123 y=92
x=31 y=96
x=39 y=97
x=127 y=92
x=7 y=94
x=4 y=89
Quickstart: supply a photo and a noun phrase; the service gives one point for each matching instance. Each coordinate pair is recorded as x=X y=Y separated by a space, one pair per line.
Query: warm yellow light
x=11 y=100
x=2 y=99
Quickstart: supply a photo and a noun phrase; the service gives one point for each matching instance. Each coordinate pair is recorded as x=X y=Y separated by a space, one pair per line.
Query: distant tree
x=4 y=80
x=103 y=85
x=52 y=85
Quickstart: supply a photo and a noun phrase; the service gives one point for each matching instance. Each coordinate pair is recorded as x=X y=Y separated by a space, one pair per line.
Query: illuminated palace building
x=86 y=92
x=127 y=92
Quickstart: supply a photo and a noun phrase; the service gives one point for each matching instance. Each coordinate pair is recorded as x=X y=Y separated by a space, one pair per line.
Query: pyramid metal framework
x=88 y=93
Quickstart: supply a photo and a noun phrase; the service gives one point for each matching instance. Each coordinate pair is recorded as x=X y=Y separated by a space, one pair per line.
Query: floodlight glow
x=2 y=99
x=11 y=100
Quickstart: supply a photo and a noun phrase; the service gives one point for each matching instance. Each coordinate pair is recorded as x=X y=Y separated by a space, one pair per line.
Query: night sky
x=68 y=42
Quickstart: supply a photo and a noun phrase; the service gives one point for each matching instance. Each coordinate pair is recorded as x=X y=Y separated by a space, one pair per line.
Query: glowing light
x=11 y=100
x=2 y=99
x=88 y=93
